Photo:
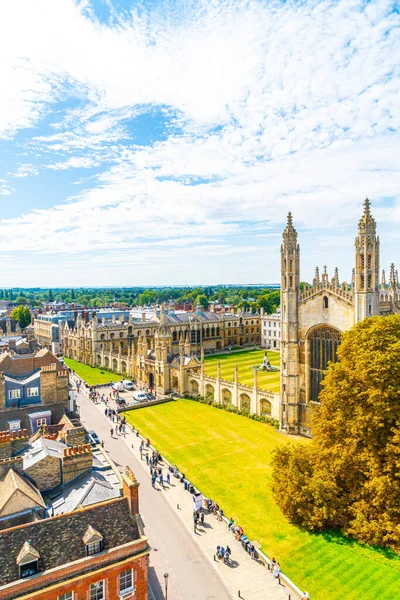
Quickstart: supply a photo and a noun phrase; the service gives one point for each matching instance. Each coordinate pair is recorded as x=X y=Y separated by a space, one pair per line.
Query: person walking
x=112 y=432
x=168 y=479
x=161 y=480
x=153 y=481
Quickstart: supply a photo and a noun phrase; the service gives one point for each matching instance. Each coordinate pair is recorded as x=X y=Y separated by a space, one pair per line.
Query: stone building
x=69 y=526
x=158 y=352
x=34 y=391
x=271 y=330
x=314 y=319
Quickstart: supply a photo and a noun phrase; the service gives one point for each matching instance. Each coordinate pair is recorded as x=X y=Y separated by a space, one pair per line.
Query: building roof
x=11 y=501
x=89 y=488
x=59 y=540
x=23 y=365
x=40 y=449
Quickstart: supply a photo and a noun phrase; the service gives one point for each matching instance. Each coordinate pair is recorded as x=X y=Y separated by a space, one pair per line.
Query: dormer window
x=28 y=561
x=93 y=541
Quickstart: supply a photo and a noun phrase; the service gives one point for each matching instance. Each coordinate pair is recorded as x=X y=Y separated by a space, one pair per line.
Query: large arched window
x=324 y=342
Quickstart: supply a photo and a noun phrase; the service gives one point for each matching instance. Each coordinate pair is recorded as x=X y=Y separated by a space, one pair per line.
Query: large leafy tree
x=22 y=315
x=348 y=477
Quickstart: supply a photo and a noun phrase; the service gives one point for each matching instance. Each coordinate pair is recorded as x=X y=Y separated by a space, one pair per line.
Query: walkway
x=193 y=577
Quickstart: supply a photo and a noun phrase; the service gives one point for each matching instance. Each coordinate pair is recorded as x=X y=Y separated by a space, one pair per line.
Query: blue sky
x=149 y=143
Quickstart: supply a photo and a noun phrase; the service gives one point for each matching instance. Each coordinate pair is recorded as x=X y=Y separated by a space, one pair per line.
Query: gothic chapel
x=314 y=318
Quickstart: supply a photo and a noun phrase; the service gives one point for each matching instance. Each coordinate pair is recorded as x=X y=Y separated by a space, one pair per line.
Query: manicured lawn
x=245 y=360
x=227 y=457
x=92 y=375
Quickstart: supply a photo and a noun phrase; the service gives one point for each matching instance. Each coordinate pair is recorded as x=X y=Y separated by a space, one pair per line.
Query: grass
x=92 y=375
x=227 y=457
x=245 y=360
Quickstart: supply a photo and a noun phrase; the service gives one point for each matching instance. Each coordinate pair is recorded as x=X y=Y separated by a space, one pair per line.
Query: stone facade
x=271 y=330
x=159 y=352
x=313 y=319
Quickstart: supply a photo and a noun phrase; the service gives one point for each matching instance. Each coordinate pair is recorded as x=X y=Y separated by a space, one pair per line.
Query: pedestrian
x=252 y=550
x=168 y=479
x=147 y=459
x=112 y=432
x=102 y=443
x=202 y=519
x=153 y=481
x=161 y=480
x=151 y=470
x=277 y=570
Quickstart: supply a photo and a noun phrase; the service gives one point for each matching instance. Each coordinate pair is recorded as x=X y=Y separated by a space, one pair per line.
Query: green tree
x=202 y=300
x=349 y=475
x=50 y=296
x=21 y=300
x=22 y=315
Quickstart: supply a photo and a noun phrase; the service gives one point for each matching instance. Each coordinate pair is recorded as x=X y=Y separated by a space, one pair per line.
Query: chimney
x=131 y=490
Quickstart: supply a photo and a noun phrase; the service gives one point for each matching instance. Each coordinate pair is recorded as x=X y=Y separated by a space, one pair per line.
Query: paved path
x=190 y=558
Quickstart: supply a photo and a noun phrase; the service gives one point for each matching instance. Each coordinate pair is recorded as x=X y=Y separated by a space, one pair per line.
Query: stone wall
x=46 y=473
x=11 y=443
x=76 y=460
x=15 y=463
x=54 y=385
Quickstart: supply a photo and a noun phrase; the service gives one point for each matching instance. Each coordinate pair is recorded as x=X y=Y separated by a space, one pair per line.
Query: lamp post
x=166 y=585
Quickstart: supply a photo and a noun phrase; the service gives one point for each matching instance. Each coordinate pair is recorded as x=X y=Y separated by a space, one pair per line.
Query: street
x=191 y=575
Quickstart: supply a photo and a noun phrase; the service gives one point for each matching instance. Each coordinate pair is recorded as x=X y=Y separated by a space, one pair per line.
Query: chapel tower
x=366 y=283
x=290 y=290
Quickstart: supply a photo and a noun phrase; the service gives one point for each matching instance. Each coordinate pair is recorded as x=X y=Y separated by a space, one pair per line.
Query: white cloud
x=279 y=105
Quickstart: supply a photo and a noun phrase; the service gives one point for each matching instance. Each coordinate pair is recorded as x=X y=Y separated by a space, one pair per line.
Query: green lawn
x=227 y=457
x=245 y=360
x=92 y=375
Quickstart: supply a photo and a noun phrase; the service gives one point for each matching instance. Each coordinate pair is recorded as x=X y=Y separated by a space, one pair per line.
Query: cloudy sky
x=164 y=141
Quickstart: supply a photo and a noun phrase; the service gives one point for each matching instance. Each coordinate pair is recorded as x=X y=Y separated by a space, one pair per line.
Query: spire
x=316 y=277
x=336 y=278
x=289 y=232
x=367 y=223
x=392 y=278
x=383 y=280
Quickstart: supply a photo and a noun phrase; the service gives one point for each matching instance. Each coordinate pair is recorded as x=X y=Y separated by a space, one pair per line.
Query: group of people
x=213 y=508
x=156 y=472
x=120 y=422
x=198 y=519
x=224 y=553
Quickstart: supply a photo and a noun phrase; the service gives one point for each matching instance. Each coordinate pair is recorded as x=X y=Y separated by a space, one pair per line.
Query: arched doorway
x=226 y=396
x=245 y=402
x=151 y=381
x=209 y=392
x=324 y=342
x=115 y=364
x=106 y=362
x=98 y=360
x=265 y=407
x=194 y=386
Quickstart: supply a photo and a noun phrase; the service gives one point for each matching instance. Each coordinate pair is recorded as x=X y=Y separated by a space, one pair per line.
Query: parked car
x=140 y=396
x=120 y=401
x=93 y=438
x=118 y=386
x=128 y=385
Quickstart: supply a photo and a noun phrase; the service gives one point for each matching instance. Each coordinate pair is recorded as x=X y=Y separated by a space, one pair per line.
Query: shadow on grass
x=338 y=538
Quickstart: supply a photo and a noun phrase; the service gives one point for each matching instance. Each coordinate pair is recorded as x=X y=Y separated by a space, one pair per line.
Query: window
x=40 y=422
x=14 y=394
x=94 y=548
x=325 y=302
x=66 y=596
x=97 y=590
x=14 y=425
x=28 y=569
x=126 y=580
x=33 y=391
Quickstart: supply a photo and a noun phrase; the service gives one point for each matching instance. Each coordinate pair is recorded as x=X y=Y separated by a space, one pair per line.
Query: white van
x=128 y=385
x=118 y=386
x=140 y=396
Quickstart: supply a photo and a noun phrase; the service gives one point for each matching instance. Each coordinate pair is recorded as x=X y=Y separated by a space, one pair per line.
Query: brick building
x=34 y=391
x=69 y=524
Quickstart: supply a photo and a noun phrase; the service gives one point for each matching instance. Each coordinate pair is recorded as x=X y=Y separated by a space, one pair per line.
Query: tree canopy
x=348 y=477
x=22 y=315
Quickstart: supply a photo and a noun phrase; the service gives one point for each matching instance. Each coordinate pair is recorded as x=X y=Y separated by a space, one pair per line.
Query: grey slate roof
x=59 y=540
x=40 y=449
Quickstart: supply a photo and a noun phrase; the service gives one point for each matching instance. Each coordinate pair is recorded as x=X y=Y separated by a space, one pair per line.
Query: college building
x=313 y=318
x=69 y=522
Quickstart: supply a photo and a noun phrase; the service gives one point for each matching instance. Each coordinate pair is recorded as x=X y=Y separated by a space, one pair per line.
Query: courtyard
x=227 y=457
x=92 y=375
x=245 y=360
